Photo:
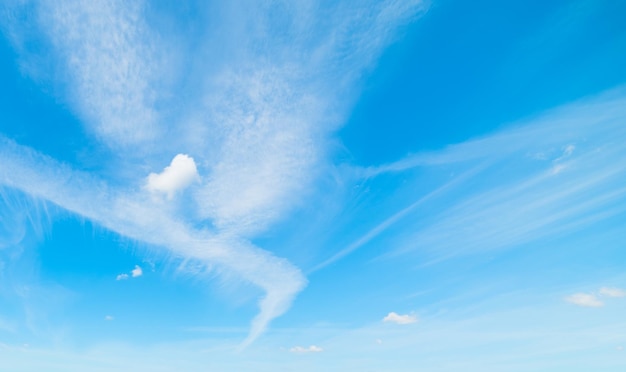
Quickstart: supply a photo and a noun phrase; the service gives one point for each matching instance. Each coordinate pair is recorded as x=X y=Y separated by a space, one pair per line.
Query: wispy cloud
x=584 y=299
x=396 y=318
x=574 y=184
x=612 y=292
x=257 y=125
x=121 y=277
x=111 y=60
x=303 y=350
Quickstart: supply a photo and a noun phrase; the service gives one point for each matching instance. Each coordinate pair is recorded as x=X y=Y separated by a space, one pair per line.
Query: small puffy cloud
x=136 y=271
x=393 y=317
x=108 y=317
x=612 y=292
x=310 y=349
x=584 y=299
x=178 y=175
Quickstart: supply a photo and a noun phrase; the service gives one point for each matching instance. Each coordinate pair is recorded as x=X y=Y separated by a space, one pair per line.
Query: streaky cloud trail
x=570 y=161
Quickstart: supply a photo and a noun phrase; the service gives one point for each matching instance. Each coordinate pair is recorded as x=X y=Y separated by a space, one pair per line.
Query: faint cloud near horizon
x=302 y=350
x=584 y=300
x=612 y=292
x=396 y=318
x=592 y=300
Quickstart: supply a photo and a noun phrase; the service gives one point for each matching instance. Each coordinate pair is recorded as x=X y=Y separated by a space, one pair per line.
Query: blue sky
x=386 y=186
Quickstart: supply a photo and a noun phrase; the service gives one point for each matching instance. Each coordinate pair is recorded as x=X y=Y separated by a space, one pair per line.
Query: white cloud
x=612 y=292
x=108 y=317
x=136 y=271
x=585 y=300
x=394 y=317
x=181 y=173
x=302 y=350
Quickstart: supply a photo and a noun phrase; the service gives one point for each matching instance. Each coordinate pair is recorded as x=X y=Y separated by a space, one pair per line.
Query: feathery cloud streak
x=568 y=167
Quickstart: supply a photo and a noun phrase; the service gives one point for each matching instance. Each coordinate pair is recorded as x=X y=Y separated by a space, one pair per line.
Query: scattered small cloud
x=302 y=350
x=181 y=173
x=379 y=341
x=393 y=317
x=619 y=348
x=108 y=318
x=584 y=299
x=136 y=271
x=612 y=292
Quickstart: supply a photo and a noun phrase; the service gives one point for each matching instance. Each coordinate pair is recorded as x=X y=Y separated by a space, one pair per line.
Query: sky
x=391 y=185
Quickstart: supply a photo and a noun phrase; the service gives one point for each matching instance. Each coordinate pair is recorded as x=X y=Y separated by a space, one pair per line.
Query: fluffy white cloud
x=310 y=349
x=394 y=317
x=181 y=173
x=612 y=292
x=584 y=299
x=136 y=271
x=122 y=277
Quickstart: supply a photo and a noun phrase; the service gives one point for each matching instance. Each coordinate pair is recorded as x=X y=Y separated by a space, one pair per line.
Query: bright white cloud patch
x=181 y=173
x=122 y=277
x=302 y=350
x=136 y=271
x=612 y=292
x=585 y=300
x=396 y=318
